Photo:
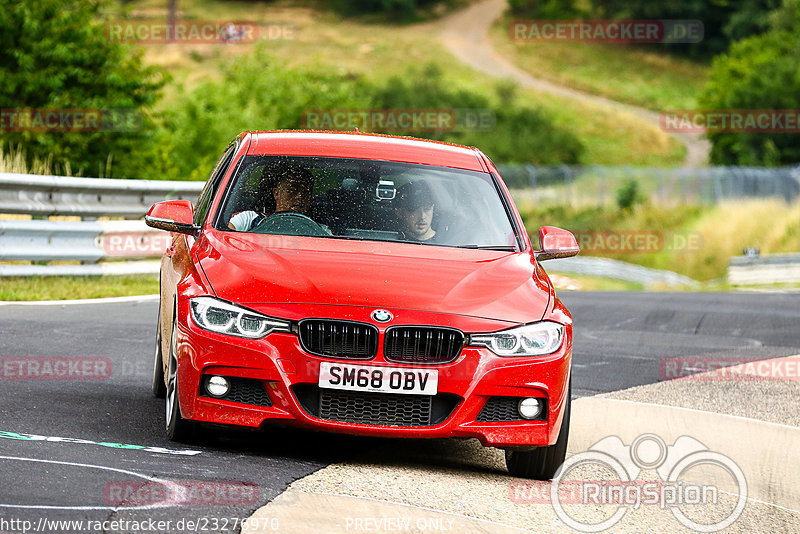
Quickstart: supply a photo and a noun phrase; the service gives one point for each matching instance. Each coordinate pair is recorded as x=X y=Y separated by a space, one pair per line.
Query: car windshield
x=340 y=198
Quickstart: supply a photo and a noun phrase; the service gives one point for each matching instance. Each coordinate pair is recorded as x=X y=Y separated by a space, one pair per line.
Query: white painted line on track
x=694 y=410
x=765 y=503
x=106 y=300
x=36 y=438
x=171 y=485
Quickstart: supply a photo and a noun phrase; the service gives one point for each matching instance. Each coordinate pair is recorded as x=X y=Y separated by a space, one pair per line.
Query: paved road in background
x=621 y=337
x=620 y=340
x=466 y=35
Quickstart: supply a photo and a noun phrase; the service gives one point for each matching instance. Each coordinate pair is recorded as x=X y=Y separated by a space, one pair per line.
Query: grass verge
x=695 y=241
x=327 y=42
x=76 y=287
x=640 y=76
x=582 y=282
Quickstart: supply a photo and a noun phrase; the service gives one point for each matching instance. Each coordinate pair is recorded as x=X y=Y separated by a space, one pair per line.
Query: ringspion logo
x=623 y=490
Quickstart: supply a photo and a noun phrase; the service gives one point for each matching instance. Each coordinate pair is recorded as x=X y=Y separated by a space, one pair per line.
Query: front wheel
x=542 y=462
x=178 y=428
x=159 y=388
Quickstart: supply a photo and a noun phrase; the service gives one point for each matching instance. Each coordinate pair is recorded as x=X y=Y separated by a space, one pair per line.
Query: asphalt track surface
x=620 y=340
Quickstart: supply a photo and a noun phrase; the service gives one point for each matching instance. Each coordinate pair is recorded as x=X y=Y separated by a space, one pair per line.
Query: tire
x=542 y=462
x=178 y=428
x=159 y=387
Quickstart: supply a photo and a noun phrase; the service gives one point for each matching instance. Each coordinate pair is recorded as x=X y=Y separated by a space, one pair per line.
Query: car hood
x=264 y=269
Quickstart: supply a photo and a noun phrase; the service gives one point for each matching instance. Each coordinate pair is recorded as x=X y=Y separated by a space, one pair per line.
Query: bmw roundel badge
x=382 y=316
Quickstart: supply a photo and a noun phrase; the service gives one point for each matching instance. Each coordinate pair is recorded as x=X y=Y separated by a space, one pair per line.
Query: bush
x=259 y=93
x=256 y=93
x=628 y=195
x=519 y=134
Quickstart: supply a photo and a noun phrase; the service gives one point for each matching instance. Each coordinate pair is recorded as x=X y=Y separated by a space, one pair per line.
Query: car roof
x=364 y=146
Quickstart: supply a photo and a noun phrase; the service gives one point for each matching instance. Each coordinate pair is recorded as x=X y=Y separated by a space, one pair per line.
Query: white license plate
x=378 y=379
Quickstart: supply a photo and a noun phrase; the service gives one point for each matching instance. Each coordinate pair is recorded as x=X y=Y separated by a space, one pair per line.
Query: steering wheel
x=290 y=223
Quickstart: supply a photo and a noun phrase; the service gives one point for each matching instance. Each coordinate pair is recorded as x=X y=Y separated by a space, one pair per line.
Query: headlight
x=219 y=316
x=534 y=339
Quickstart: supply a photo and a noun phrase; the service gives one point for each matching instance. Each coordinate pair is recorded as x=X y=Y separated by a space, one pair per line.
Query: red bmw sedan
x=364 y=284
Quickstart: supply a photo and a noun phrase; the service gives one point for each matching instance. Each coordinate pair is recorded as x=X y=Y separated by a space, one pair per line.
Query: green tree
x=396 y=9
x=724 y=21
x=54 y=55
x=759 y=72
x=545 y=9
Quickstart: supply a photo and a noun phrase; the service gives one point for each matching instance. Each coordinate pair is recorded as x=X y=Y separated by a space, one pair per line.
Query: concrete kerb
x=767 y=453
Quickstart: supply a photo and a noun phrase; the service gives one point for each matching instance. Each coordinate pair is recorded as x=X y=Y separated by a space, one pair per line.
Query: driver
x=292 y=194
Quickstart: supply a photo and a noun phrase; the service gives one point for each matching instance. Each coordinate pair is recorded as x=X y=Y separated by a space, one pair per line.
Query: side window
x=207 y=194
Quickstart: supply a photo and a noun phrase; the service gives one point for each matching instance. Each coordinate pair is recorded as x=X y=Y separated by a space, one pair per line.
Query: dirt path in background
x=466 y=36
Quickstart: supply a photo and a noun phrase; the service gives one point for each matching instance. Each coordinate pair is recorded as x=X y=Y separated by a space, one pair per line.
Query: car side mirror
x=174 y=216
x=556 y=243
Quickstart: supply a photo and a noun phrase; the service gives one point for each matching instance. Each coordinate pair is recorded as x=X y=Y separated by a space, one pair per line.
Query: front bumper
x=290 y=376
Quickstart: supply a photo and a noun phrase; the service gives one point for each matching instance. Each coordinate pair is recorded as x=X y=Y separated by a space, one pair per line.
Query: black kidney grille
x=339 y=339
x=422 y=344
x=375 y=408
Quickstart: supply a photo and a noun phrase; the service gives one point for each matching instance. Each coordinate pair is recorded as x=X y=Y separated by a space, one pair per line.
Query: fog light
x=218 y=386
x=529 y=408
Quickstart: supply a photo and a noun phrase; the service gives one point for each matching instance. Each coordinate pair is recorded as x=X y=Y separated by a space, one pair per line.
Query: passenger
x=414 y=207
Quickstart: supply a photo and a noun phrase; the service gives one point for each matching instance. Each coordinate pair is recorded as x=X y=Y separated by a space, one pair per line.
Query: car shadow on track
x=272 y=441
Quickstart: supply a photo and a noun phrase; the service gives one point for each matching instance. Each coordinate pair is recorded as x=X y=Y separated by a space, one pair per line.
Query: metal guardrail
x=88 y=197
x=766 y=270
x=93 y=242
x=87 y=241
x=598 y=184
x=620 y=270
x=79 y=241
